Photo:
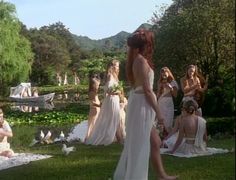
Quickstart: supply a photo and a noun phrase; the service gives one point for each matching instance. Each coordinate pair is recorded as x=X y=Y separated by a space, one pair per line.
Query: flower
x=116 y=87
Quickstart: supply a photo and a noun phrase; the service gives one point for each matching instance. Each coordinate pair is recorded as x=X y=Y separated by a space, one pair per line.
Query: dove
x=48 y=135
x=66 y=150
x=62 y=136
x=41 y=136
x=47 y=138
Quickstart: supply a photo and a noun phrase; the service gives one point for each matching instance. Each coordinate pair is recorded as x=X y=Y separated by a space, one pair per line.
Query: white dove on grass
x=62 y=136
x=47 y=138
x=41 y=136
x=48 y=135
x=67 y=150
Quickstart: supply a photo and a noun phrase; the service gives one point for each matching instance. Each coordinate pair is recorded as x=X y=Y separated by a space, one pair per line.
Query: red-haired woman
x=141 y=112
x=167 y=89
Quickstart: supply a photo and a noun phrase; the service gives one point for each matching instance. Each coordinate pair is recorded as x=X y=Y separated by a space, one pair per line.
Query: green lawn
x=98 y=163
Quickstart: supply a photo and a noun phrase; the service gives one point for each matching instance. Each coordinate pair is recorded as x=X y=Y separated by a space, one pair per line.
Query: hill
x=113 y=43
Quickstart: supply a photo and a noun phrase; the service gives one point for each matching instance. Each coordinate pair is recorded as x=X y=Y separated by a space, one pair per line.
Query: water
x=59 y=101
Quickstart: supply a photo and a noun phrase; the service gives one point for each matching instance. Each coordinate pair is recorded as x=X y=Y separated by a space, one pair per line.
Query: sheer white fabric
x=105 y=127
x=166 y=105
x=134 y=160
x=20 y=159
x=198 y=148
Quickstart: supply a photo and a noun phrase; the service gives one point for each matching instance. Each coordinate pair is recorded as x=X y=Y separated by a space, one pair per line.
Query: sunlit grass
x=99 y=162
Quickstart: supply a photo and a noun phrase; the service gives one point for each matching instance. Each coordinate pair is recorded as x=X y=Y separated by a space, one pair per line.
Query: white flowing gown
x=134 y=160
x=105 y=127
x=166 y=105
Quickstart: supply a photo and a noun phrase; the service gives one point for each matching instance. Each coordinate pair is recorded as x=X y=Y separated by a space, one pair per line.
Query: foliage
x=196 y=32
x=60 y=89
x=219 y=102
x=225 y=125
x=15 y=52
x=56 y=117
x=203 y=33
x=117 y=87
x=93 y=65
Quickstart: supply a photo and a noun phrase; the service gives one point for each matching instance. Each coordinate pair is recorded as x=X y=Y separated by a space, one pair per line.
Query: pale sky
x=96 y=19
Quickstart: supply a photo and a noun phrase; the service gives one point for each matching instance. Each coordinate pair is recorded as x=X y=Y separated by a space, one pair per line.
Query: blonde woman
x=106 y=125
x=193 y=85
x=167 y=89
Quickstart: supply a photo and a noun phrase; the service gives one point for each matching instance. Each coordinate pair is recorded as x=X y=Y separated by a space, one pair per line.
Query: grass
x=99 y=162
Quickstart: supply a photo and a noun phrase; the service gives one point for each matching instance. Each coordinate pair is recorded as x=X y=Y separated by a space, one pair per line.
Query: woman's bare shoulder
x=140 y=63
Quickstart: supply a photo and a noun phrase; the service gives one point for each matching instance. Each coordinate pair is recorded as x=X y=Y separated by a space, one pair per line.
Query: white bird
x=34 y=141
x=67 y=150
x=48 y=135
x=62 y=136
x=41 y=135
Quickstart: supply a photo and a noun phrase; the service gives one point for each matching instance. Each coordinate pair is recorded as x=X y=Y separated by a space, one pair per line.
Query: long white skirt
x=134 y=160
x=106 y=125
x=167 y=109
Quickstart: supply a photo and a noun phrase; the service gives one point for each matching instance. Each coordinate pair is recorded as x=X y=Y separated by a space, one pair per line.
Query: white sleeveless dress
x=166 y=105
x=134 y=160
x=105 y=127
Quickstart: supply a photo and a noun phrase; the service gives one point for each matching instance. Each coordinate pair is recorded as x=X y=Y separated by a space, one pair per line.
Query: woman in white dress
x=167 y=89
x=193 y=129
x=106 y=125
x=141 y=111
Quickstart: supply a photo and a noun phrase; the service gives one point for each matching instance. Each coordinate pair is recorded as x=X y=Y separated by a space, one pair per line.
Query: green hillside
x=113 y=43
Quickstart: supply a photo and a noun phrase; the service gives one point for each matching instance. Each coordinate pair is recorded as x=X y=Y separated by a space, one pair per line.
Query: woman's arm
x=185 y=88
x=173 y=90
x=5 y=133
x=175 y=128
x=179 y=139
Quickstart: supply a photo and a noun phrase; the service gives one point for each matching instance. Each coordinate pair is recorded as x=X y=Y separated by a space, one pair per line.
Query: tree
x=15 y=51
x=51 y=56
x=203 y=33
x=199 y=32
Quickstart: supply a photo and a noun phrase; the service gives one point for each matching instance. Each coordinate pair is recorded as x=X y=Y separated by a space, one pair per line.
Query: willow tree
x=15 y=51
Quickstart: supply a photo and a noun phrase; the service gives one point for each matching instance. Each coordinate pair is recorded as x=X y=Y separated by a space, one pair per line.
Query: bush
x=219 y=102
x=224 y=125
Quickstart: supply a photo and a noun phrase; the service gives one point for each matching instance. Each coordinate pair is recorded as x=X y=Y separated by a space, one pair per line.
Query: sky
x=96 y=19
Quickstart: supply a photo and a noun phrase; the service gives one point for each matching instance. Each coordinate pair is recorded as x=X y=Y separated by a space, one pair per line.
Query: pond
x=60 y=101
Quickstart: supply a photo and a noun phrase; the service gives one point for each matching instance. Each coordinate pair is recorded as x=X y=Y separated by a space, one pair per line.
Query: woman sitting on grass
x=5 y=132
x=192 y=128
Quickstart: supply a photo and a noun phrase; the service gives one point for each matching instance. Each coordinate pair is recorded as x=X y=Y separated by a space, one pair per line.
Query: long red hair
x=143 y=41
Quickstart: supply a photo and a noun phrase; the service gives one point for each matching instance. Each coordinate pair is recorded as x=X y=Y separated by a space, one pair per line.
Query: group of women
x=145 y=109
